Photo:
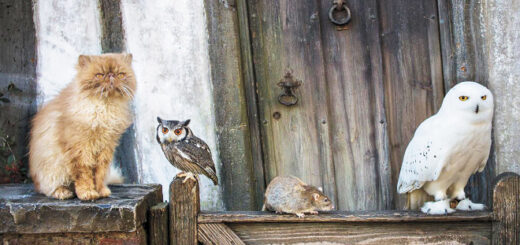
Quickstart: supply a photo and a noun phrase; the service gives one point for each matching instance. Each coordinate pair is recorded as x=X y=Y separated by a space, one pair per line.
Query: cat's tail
x=114 y=175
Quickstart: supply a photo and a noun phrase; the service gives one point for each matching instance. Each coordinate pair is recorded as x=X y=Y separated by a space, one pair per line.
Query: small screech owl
x=184 y=150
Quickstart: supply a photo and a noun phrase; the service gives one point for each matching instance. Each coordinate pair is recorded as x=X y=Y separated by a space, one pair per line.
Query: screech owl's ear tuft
x=185 y=123
x=159 y=120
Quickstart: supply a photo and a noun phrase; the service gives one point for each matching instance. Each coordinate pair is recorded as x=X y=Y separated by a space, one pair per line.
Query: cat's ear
x=83 y=60
x=128 y=58
x=185 y=123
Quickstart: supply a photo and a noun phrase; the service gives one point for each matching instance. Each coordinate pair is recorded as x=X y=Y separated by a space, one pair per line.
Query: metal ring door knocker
x=288 y=84
x=338 y=6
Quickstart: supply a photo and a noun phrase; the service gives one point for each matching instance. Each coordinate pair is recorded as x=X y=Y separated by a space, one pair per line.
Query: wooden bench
x=188 y=225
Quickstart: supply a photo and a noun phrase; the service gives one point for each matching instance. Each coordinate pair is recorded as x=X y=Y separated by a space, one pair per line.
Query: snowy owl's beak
x=476 y=110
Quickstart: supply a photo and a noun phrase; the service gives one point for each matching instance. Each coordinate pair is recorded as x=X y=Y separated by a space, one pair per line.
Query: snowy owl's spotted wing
x=423 y=159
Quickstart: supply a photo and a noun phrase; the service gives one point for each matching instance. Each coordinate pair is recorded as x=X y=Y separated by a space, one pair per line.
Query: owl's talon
x=188 y=176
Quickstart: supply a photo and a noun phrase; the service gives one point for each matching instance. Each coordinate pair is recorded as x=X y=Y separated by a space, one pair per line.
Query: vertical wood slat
x=250 y=85
x=184 y=207
x=233 y=131
x=356 y=99
x=18 y=59
x=218 y=234
x=158 y=224
x=506 y=209
x=412 y=73
x=285 y=36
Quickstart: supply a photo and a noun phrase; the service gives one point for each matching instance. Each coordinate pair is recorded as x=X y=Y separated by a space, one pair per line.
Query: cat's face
x=107 y=75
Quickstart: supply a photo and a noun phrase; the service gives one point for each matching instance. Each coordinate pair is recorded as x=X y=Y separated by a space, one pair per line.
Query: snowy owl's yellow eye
x=483 y=97
x=463 y=98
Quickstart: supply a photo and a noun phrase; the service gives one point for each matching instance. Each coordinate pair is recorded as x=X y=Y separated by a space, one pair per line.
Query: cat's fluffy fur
x=74 y=136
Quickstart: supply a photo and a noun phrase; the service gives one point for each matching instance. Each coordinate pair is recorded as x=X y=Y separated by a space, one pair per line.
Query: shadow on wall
x=17 y=87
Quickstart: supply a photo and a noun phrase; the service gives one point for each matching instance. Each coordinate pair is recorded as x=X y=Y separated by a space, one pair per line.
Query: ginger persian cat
x=74 y=136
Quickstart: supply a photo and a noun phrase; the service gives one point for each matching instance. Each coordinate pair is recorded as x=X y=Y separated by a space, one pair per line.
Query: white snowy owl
x=447 y=149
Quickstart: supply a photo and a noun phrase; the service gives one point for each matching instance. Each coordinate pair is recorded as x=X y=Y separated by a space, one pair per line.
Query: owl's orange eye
x=483 y=97
x=121 y=75
x=164 y=130
x=463 y=98
x=99 y=76
x=178 y=131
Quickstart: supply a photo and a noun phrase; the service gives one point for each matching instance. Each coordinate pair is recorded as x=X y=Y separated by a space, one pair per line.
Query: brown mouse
x=288 y=194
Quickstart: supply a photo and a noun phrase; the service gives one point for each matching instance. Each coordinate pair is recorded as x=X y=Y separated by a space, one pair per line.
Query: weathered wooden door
x=365 y=88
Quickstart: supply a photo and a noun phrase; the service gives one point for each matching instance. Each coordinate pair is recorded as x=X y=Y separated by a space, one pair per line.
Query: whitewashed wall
x=500 y=26
x=168 y=40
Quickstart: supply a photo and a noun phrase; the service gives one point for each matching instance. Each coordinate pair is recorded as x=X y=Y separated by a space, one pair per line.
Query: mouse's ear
x=315 y=196
x=320 y=188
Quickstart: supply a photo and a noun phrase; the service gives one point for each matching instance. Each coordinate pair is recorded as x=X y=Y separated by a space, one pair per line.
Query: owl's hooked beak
x=476 y=109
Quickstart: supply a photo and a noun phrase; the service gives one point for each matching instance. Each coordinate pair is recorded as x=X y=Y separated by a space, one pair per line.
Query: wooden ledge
x=338 y=216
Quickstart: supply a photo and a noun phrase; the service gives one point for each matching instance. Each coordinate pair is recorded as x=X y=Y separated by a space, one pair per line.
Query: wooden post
x=506 y=209
x=184 y=208
x=158 y=219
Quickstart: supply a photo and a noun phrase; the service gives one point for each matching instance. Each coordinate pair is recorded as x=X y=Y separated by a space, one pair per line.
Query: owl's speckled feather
x=185 y=151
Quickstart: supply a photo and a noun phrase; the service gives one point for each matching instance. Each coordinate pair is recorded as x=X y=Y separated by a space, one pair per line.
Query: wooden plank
x=285 y=37
x=233 y=135
x=158 y=224
x=184 y=208
x=363 y=233
x=339 y=216
x=353 y=68
x=218 y=234
x=18 y=67
x=250 y=86
x=506 y=209
x=412 y=73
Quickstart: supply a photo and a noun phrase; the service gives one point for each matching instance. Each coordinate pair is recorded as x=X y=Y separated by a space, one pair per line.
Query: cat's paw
x=62 y=193
x=104 y=192
x=87 y=195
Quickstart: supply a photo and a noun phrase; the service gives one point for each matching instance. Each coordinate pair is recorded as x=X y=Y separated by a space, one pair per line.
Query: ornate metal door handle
x=288 y=84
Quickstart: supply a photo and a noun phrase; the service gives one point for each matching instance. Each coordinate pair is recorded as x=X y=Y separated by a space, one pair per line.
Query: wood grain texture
x=285 y=36
x=250 y=86
x=363 y=233
x=158 y=224
x=353 y=68
x=239 y=183
x=506 y=209
x=218 y=234
x=18 y=67
x=184 y=208
x=340 y=216
x=412 y=73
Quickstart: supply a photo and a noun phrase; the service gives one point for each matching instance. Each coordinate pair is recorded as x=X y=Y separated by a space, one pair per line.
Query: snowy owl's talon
x=437 y=208
x=468 y=205
x=300 y=215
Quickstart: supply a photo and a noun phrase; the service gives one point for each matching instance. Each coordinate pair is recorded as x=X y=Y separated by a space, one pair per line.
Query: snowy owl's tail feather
x=416 y=199
x=114 y=176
